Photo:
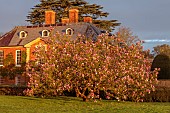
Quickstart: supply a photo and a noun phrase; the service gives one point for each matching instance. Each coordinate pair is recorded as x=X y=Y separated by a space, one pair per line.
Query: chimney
x=65 y=20
x=88 y=19
x=73 y=15
x=50 y=17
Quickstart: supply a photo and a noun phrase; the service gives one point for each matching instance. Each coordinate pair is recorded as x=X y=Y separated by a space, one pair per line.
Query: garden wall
x=164 y=83
x=162 y=93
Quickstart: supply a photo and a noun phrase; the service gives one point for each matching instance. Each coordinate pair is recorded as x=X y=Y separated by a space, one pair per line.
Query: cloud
x=157 y=40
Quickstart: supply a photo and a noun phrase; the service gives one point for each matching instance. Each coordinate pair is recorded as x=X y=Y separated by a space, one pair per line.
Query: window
x=22 y=34
x=1 y=58
x=69 y=31
x=18 y=57
x=45 y=33
x=17 y=80
x=1 y=80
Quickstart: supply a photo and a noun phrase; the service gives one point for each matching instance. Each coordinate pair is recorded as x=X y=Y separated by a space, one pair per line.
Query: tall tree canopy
x=162 y=49
x=61 y=7
x=1 y=33
x=127 y=35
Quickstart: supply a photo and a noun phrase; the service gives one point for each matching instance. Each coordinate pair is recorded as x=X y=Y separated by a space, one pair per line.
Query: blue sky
x=148 y=19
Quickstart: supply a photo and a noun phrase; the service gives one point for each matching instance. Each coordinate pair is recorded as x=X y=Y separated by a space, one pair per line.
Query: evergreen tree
x=61 y=7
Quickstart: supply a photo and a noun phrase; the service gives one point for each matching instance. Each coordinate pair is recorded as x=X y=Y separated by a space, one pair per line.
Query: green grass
x=18 y=104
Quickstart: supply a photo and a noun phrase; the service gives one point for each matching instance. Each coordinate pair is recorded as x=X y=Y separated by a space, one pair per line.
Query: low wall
x=163 y=83
x=161 y=94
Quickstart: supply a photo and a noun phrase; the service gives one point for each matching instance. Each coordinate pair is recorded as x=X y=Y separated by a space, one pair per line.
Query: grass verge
x=21 y=104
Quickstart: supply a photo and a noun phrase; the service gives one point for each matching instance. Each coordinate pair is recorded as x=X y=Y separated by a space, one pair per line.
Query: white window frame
x=48 y=33
x=2 y=57
x=21 y=36
x=1 y=80
x=17 y=80
x=68 y=32
x=16 y=58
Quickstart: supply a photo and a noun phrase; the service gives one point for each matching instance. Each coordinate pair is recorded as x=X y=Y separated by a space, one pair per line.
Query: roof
x=6 y=38
x=12 y=38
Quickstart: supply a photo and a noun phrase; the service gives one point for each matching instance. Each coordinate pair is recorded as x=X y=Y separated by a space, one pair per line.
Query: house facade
x=26 y=38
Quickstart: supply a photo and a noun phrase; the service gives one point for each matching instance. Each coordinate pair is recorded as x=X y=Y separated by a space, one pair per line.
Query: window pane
x=18 y=58
x=69 y=31
x=22 y=34
x=45 y=33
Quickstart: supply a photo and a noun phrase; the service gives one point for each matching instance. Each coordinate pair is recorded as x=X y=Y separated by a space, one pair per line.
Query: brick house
x=25 y=38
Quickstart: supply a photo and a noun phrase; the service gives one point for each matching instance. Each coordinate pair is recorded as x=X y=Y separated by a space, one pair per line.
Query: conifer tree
x=61 y=7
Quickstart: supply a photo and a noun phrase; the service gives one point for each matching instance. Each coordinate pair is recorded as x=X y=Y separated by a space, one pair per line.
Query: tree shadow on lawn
x=61 y=98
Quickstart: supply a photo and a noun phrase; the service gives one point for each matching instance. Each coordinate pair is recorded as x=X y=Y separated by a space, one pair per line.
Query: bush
x=12 y=90
x=161 y=94
x=88 y=68
x=162 y=61
x=9 y=69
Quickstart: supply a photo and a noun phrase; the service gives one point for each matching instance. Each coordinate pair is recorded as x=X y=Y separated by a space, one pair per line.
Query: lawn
x=19 y=104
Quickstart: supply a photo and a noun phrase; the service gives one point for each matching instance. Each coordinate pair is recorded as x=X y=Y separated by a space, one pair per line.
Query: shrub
x=162 y=61
x=87 y=67
x=161 y=94
x=12 y=90
x=9 y=69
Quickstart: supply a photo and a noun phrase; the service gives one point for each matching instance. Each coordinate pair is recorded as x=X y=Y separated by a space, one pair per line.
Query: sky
x=148 y=19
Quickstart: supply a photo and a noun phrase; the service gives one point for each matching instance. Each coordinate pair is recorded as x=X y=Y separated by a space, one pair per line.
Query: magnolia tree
x=122 y=72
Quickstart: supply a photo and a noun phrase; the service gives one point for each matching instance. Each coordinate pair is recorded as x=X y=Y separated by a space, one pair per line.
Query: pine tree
x=61 y=7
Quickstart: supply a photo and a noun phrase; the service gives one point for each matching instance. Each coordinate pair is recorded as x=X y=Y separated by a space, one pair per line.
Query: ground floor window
x=18 y=57
x=1 y=58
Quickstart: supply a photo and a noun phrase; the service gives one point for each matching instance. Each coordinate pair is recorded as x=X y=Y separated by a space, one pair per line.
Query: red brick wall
x=8 y=50
x=7 y=81
x=32 y=49
x=12 y=50
x=88 y=19
x=73 y=15
x=49 y=17
x=65 y=20
x=22 y=79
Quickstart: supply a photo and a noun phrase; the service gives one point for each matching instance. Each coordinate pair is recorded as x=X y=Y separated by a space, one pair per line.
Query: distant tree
x=129 y=39
x=61 y=7
x=162 y=49
x=126 y=34
x=1 y=33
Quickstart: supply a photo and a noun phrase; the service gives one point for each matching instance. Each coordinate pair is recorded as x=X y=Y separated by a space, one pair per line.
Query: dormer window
x=22 y=34
x=45 y=33
x=69 y=31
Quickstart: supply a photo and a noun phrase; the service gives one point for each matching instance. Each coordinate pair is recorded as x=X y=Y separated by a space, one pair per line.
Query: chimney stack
x=88 y=19
x=65 y=20
x=73 y=15
x=50 y=17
